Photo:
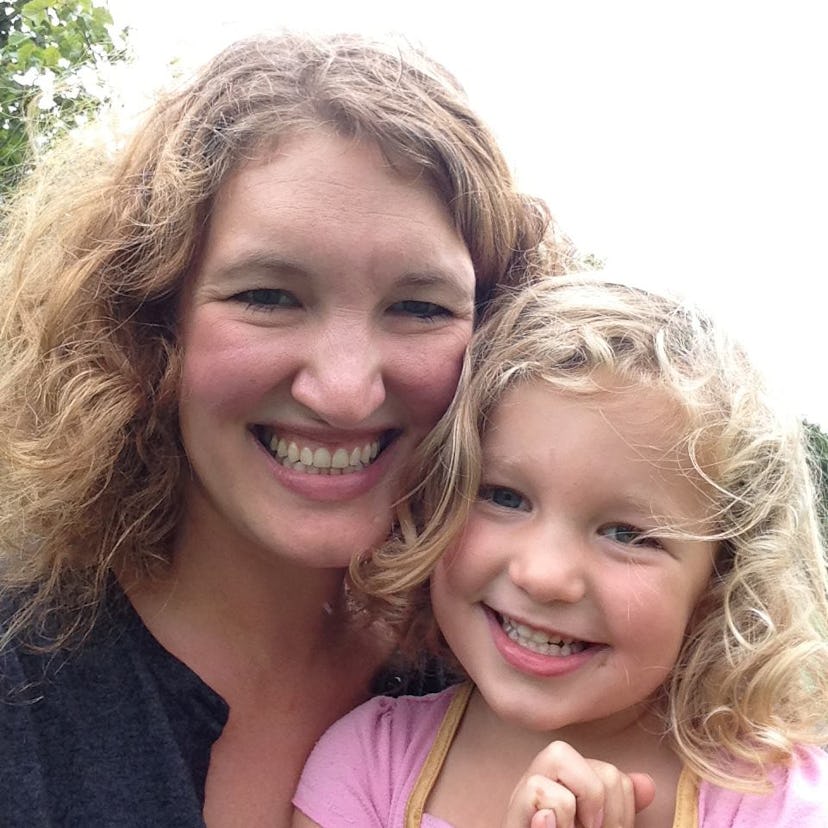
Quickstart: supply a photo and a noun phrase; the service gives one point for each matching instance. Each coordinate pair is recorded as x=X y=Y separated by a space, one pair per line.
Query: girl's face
x=322 y=338
x=559 y=610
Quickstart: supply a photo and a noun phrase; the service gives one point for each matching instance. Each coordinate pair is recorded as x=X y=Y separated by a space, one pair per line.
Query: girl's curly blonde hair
x=95 y=249
x=751 y=680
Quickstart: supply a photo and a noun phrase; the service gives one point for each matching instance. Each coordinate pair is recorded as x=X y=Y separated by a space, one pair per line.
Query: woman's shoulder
x=78 y=723
x=799 y=798
x=38 y=654
x=22 y=667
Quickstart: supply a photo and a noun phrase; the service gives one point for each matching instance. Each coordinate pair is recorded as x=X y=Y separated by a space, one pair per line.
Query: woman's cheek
x=427 y=381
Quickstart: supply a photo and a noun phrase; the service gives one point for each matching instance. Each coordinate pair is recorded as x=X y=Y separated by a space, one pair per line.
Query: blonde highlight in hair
x=96 y=247
x=751 y=680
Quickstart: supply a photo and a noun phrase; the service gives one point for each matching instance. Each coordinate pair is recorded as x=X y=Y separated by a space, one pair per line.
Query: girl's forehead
x=648 y=407
x=645 y=419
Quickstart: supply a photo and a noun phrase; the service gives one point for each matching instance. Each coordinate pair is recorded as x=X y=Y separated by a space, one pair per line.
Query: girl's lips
x=555 y=658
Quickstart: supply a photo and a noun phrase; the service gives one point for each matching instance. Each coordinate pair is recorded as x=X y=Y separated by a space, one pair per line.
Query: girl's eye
x=629 y=535
x=267 y=298
x=503 y=497
x=420 y=309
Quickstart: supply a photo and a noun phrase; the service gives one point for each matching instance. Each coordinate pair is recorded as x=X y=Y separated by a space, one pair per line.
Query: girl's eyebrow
x=666 y=513
x=497 y=462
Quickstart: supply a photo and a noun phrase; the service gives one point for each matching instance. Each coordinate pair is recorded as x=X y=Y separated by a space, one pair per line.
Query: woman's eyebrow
x=256 y=262
x=267 y=263
x=436 y=278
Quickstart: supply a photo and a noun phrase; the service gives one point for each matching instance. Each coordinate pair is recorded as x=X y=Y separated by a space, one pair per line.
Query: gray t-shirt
x=116 y=732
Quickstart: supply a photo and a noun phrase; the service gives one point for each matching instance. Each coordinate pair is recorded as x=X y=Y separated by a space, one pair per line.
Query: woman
x=219 y=347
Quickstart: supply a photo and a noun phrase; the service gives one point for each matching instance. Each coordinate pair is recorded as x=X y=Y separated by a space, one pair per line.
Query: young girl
x=617 y=537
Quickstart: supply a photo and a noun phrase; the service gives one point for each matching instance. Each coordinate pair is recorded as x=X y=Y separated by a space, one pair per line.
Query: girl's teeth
x=538 y=641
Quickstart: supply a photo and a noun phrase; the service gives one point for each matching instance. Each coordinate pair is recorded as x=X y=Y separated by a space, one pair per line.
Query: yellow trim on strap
x=436 y=756
x=687 y=801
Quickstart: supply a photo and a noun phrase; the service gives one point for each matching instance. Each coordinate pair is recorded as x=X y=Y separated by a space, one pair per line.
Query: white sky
x=683 y=141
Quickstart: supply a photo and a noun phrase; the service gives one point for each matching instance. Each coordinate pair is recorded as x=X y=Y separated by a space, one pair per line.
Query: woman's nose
x=340 y=378
x=550 y=566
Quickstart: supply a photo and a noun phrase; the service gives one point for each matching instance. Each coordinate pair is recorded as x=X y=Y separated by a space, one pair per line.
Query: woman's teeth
x=539 y=641
x=321 y=460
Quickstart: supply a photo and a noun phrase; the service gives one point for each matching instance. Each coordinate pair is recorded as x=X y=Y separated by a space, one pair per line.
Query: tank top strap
x=436 y=756
x=687 y=801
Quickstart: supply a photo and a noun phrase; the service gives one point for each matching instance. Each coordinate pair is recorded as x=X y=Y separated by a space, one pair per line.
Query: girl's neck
x=627 y=737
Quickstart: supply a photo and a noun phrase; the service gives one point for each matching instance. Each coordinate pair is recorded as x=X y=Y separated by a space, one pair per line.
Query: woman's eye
x=420 y=309
x=503 y=497
x=628 y=535
x=267 y=298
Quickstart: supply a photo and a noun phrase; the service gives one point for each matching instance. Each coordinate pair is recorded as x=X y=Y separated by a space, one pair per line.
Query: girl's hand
x=562 y=789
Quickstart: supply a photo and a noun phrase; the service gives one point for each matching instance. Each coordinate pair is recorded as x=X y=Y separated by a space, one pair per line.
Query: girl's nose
x=340 y=379
x=549 y=567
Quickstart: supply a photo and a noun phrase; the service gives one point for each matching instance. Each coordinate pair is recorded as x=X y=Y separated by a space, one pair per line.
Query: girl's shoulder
x=799 y=798
x=363 y=768
x=392 y=726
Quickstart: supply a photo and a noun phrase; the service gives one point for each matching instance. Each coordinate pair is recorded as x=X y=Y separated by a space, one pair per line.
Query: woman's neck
x=275 y=641
x=230 y=610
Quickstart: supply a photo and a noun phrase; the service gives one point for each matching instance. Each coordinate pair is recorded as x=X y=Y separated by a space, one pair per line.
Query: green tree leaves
x=54 y=56
x=818 y=445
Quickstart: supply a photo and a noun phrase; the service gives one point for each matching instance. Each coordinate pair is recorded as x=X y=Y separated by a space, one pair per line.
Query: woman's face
x=322 y=338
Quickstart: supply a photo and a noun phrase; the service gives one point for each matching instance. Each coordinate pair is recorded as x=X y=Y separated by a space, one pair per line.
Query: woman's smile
x=319 y=483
